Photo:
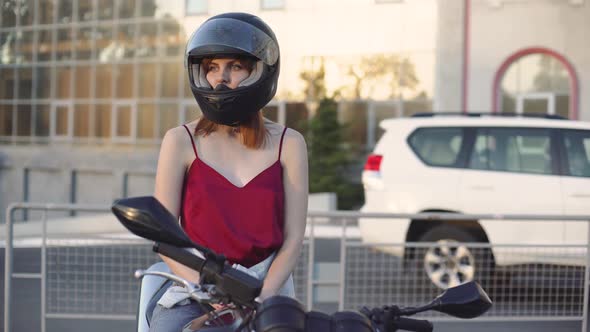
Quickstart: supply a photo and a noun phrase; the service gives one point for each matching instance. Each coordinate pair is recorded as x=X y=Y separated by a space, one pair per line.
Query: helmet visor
x=219 y=33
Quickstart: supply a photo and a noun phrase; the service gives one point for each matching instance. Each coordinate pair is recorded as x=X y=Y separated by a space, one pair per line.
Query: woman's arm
x=295 y=182
x=172 y=164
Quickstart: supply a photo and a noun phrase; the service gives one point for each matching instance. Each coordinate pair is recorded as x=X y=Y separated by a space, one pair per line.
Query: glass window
x=105 y=9
x=84 y=43
x=104 y=43
x=126 y=9
x=437 y=146
x=6 y=116
x=272 y=4
x=196 y=7
x=65 y=37
x=124 y=75
x=8 y=9
x=168 y=118
x=123 y=115
x=170 y=76
x=7 y=82
x=85 y=12
x=65 y=11
x=45 y=45
x=171 y=39
x=42 y=119
x=126 y=39
x=102 y=121
x=191 y=112
x=63 y=79
x=82 y=120
x=536 y=83
x=518 y=150
x=25 y=83
x=26 y=45
x=7 y=45
x=577 y=146
x=61 y=118
x=83 y=80
x=23 y=120
x=185 y=83
x=103 y=84
x=146 y=120
x=27 y=12
x=147 y=44
x=46 y=11
x=147 y=80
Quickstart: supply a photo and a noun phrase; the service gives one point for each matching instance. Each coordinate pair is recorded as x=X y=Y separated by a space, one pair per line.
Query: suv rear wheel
x=450 y=261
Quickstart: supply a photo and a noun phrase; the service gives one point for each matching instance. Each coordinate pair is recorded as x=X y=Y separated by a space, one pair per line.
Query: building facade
x=89 y=87
x=514 y=56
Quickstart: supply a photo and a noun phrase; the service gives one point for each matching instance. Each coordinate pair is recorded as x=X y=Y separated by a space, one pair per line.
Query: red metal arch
x=574 y=83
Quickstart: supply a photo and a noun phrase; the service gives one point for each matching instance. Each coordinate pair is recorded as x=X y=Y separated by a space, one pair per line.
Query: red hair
x=253 y=133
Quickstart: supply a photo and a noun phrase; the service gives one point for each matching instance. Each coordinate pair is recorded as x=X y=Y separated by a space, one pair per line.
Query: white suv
x=477 y=164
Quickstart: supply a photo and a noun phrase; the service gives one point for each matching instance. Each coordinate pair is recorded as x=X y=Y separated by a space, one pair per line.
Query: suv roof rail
x=478 y=114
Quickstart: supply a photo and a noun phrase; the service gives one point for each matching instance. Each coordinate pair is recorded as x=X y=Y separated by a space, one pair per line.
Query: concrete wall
x=497 y=30
x=74 y=174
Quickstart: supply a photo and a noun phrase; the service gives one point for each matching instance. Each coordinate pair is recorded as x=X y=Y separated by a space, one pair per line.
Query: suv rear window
x=437 y=146
x=519 y=150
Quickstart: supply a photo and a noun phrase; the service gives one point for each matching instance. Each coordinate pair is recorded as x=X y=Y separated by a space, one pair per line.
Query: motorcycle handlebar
x=238 y=286
x=416 y=325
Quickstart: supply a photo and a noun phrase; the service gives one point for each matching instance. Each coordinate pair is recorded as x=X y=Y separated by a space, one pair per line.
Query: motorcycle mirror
x=468 y=300
x=146 y=217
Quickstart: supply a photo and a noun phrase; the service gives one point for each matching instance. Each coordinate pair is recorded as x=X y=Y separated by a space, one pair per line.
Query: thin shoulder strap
x=281 y=144
x=192 y=140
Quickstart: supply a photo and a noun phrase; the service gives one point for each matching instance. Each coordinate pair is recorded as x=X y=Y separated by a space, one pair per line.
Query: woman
x=237 y=181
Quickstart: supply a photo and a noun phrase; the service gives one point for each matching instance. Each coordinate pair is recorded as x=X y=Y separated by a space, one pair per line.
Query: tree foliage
x=396 y=72
x=328 y=157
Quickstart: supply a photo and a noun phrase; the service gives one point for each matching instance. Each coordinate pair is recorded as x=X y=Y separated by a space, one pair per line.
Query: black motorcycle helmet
x=233 y=35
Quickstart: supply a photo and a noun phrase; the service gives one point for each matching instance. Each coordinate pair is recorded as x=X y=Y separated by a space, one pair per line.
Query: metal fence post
x=8 y=268
x=586 y=282
x=310 y=265
x=44 y=272
x=342 y=265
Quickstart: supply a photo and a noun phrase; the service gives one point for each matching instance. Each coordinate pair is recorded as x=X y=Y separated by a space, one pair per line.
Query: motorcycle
x=221 y=284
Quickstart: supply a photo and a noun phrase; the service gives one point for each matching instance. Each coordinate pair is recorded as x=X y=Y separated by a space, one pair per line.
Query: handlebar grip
x=416 y=325
x=180 y=255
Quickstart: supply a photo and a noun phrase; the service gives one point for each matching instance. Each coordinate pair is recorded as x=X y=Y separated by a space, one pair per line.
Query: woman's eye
x=237 y=67
x=212 y=68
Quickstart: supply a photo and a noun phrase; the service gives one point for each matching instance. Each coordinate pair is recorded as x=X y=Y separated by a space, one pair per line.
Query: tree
x=398 y=73
x=328 y=158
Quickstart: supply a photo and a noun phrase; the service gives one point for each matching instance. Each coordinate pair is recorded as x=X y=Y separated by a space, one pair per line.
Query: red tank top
x=243 y=223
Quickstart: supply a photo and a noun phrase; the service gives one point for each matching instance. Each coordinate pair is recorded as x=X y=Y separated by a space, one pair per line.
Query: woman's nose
x=224 y=76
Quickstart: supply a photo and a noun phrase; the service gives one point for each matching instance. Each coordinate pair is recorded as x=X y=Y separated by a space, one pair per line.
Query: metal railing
x=89 y=276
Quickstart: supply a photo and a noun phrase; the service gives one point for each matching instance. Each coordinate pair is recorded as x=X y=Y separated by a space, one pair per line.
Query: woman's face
x=226 y=71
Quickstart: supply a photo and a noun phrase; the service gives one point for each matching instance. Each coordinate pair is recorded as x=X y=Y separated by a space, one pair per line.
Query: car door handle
x=482 y=188
x=580 y=195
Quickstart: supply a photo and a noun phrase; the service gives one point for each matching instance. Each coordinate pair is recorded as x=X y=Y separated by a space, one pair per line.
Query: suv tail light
x=373 y=162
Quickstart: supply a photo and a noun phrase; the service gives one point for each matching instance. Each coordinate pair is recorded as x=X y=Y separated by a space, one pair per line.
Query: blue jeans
x=175 y=318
